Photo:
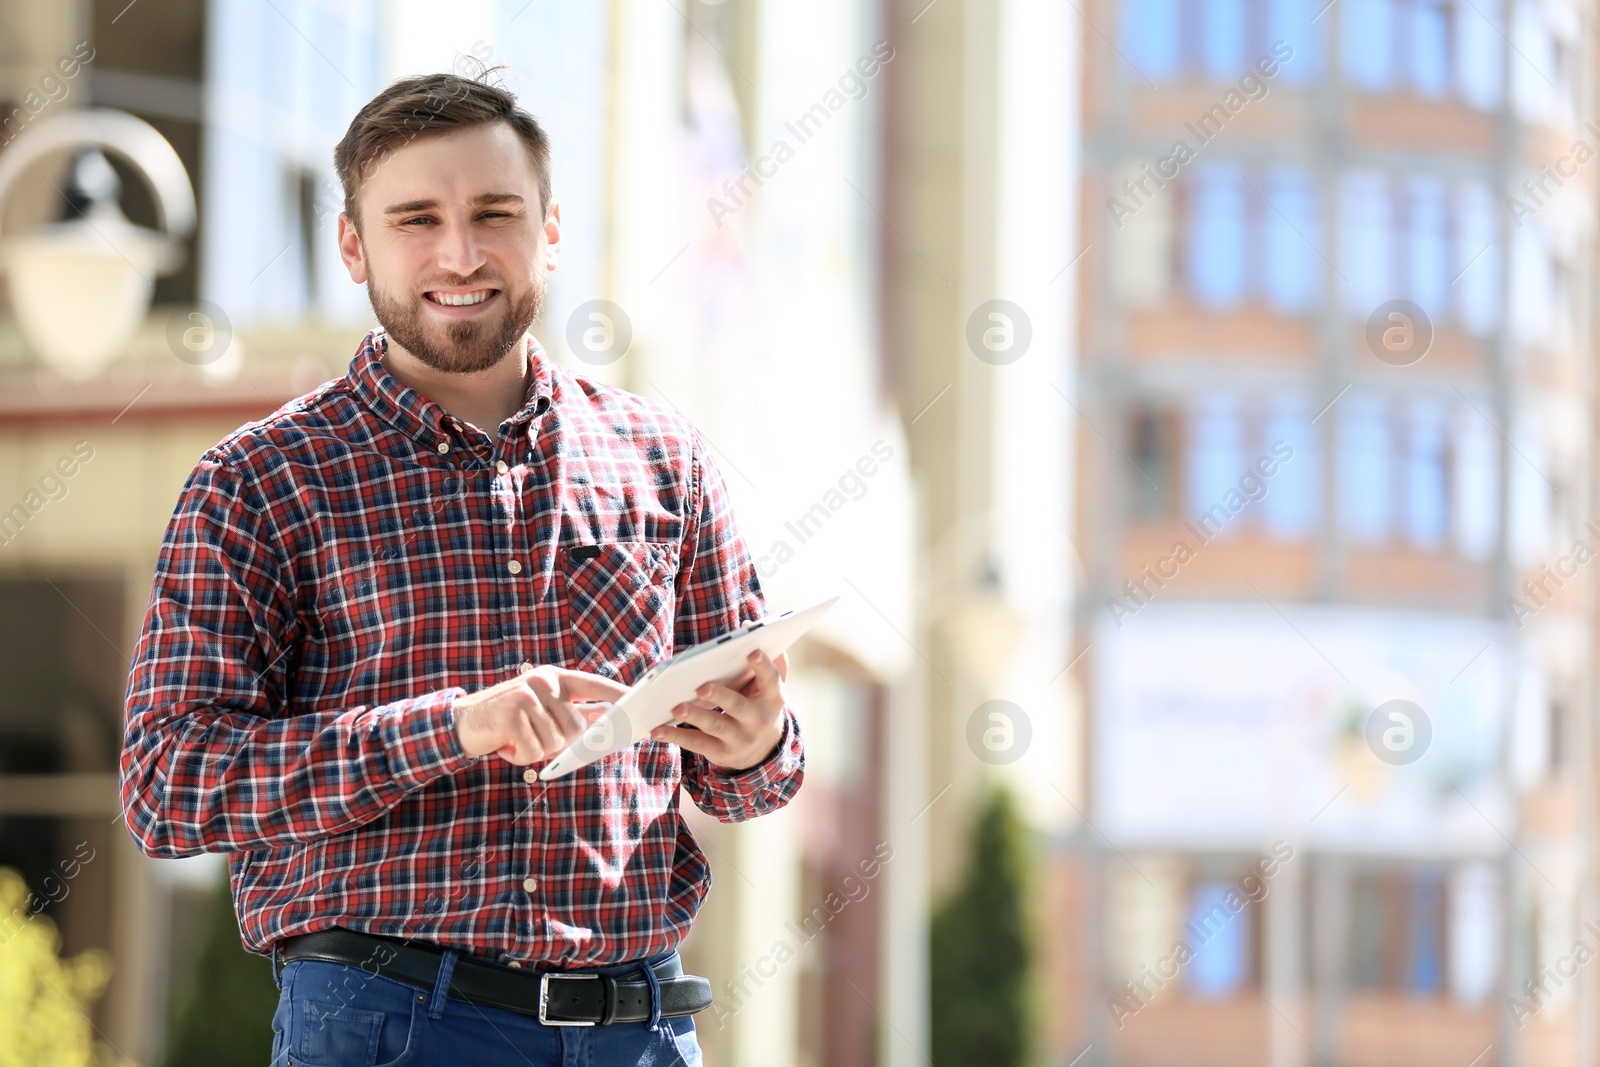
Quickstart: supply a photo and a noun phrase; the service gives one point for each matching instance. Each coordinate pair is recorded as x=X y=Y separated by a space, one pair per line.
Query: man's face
x=452 y=247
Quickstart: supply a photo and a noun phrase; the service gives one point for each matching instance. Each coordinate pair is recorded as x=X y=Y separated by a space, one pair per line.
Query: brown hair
x=432 y=104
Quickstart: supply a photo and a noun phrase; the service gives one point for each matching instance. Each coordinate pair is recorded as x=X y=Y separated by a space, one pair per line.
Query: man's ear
x=355 y=260
x=552 y=235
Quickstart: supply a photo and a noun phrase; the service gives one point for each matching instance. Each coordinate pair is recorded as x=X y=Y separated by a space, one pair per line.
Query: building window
x=1424 y=961
x=1435 y=49
x=1219 y=40
x=1427 y=267
x=1220 y=940
x=1366 y=233
x=1289 y=21
x=1224 y=29
x=1417 y=472
x=1217 y=237
x=1365 y=452
x=1252 y=237
x=1398 y=931
x=1265 y=451
x=1292 y=507
x=1424 y=241
x=1368 y=44
x=1154 y=446
x=1427 y=478
x=1293 y=225
x=1152 y=38
x=1546 y=79
x=1216 y=456
x=1475 y=267
x=1429 y=25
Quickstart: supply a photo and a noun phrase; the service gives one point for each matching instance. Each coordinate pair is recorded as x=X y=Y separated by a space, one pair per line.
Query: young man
x=378 y=611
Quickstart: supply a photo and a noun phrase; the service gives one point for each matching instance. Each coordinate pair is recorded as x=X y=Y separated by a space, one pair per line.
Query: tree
x=980 y=957
x=227 y=1017
x=44 y=999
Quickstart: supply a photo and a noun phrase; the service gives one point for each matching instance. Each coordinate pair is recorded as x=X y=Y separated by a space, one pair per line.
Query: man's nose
x=460 y=252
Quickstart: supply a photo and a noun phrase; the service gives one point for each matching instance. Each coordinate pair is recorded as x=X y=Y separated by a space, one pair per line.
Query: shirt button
x=529 y=776
x=530 y=884
x=515 y=963
x=524 y=667
x=444 y=446
x=514 y=567
x=500 y=465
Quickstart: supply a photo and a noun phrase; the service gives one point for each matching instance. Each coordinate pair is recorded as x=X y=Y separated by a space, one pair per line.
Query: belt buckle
x=544 y=999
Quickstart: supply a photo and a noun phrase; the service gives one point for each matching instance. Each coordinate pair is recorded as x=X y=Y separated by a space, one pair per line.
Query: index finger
x=582 y=686
x=765 y=670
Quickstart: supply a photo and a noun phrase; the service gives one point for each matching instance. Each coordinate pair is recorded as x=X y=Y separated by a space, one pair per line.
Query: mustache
x=456 y=280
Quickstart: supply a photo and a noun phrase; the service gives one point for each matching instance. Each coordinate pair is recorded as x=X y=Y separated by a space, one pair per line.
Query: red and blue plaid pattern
x=338 y=573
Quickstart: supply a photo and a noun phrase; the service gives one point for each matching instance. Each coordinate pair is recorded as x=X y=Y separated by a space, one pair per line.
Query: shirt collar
x=417 y=416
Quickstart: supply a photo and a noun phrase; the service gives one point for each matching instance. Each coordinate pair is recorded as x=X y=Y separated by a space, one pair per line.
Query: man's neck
x=483 y=398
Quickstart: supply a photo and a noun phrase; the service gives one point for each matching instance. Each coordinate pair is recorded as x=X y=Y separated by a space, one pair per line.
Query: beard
x=458 y=347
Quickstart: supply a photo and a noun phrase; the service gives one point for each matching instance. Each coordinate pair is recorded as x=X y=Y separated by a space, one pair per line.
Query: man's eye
x=414 y=221
x=495 y=215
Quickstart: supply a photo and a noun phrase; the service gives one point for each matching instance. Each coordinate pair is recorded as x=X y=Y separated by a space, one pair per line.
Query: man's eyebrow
x=497 y=198
x=424 y=205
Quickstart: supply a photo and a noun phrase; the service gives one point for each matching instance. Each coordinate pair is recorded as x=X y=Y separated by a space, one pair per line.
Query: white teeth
x=461 y=299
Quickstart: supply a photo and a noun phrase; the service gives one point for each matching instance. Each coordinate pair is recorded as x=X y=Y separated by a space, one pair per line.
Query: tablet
x=650 y=701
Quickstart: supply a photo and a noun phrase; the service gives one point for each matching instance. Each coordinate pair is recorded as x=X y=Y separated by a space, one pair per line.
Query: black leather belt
x=556 y=998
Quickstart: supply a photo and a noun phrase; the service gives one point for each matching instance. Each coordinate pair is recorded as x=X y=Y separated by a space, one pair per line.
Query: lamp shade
x=78 y=297
x=80 y=288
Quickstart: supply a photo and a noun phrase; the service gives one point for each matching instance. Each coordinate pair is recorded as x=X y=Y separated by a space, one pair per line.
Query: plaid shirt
x=337 y=574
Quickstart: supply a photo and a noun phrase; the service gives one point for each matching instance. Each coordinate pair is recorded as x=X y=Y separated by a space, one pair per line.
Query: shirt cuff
x=420 y=739
x=768 y=785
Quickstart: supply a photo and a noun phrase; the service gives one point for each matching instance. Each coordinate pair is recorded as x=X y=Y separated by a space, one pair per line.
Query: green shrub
x=981 y=1011
x=227 y=1017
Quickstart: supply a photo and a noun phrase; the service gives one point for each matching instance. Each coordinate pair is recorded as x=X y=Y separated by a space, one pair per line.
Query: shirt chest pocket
x=619 y=606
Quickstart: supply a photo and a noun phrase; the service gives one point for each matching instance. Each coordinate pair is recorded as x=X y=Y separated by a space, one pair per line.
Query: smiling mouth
x=476 y=296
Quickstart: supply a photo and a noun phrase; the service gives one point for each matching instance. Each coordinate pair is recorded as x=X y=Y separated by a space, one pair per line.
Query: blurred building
x=1338 y=609
x=750 y=304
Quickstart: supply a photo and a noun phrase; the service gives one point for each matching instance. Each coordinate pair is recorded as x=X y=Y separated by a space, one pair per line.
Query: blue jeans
x=340 y=1015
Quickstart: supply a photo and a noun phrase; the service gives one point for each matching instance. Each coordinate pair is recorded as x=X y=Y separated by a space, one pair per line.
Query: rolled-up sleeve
x=718 y=591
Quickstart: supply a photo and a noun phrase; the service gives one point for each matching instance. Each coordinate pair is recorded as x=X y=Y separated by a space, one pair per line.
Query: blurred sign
x=1342 y=728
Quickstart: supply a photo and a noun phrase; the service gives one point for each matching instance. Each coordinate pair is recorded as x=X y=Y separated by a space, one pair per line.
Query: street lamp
x=81 y=287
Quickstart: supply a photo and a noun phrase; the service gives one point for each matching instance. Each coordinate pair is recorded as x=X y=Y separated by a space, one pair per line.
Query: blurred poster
x=1221 y=726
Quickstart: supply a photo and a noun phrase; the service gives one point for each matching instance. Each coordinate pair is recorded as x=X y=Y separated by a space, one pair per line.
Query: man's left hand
x=748 y=726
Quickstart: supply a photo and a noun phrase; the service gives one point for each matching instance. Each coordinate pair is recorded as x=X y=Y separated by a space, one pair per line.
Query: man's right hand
x=534 y=715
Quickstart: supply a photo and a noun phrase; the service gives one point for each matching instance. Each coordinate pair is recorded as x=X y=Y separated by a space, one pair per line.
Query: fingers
x=729 y=700
x=708 y=722
x=766 y=671
x=555 y=720
x=581 y=686
x=524 y=747
x=712 y=748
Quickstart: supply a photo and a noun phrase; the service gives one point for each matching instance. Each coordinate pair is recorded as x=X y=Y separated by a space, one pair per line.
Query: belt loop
x=441 y=984
x=277 y=967
x=655 y=996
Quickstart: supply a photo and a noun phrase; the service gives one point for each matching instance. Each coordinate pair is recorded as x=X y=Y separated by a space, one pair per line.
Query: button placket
x=512 y=547
x=509 y=555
